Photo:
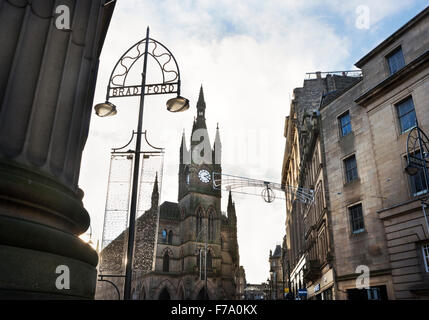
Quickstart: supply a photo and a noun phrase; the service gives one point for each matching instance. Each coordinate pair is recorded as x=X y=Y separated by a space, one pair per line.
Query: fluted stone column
x=47 y=83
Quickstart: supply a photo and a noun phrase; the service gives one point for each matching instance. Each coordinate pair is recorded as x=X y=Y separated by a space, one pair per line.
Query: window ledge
x=358 y=233
x=350 y=183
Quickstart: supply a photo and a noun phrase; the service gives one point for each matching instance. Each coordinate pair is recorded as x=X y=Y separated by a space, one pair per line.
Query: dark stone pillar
x=47 y=83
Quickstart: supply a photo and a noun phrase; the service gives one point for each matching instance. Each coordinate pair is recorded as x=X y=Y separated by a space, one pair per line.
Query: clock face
x=204 y=176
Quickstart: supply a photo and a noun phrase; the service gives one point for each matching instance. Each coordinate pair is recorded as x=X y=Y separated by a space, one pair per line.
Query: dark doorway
x=202 y=294
x=164 y=295
x=373 y=293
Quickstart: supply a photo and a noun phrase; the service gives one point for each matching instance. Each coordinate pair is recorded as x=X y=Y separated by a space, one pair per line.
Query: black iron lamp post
x=117 y=88
x=417 y=155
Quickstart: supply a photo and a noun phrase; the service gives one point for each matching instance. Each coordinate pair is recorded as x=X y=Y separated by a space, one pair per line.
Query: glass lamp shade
x=411 y=170
x=177 y=104
x=105 y=109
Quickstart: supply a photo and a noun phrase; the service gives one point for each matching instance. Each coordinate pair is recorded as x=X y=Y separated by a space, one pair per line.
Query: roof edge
x=393 y=37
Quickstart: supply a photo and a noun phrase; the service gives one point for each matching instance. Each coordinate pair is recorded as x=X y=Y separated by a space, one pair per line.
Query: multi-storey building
x=276 y=274
x=365 y=235
x=307 y=224
x=376 y=207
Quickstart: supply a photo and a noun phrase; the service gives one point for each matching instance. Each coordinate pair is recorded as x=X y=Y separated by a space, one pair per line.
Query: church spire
x=230 y=203
x=201 y=104
x=184 y=152
x=200 y=121
x=217 y=147
x=155 y=193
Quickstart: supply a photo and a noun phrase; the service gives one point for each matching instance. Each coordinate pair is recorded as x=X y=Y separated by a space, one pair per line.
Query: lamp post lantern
x=417 y=154
x=117 y=88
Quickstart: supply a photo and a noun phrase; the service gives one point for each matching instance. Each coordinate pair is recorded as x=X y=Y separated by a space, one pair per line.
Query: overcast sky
x=249 y=56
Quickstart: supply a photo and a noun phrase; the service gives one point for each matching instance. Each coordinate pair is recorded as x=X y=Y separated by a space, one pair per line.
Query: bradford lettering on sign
x=132 y=91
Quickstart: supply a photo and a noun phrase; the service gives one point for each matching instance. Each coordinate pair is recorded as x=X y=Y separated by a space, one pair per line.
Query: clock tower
x=198 y=164
x=194 y=237
x=199 y=203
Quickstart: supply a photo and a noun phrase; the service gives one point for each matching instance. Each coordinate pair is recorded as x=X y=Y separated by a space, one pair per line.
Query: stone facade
x=392 y=231
x=398 y=205
x=176 y=269
x=276 y=274
x=367 y=213
x=308 y=228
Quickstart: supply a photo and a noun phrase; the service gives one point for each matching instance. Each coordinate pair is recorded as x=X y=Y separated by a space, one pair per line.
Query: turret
x=217 y=148
x=155 y=193
x=200 y=142
x=184 y=152
x=231 y=210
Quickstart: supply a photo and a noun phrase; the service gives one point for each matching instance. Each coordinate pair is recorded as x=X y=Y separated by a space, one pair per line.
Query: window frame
x=399 y=117
x=346 y=170
x=341 y=126
x=425 y=255
x=352 y=221
x=390 y=55
x=164 y=235
x=166 y=262
x=170 y=237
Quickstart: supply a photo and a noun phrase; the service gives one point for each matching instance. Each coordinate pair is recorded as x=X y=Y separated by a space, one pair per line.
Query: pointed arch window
x=164 y=236
x=170 y=237
x=209 y=260
x=199 y=223
x=166 y=262
x=211 y=226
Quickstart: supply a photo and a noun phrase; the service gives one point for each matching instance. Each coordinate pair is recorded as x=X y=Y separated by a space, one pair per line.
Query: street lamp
x=117 y=88
x=417 y=153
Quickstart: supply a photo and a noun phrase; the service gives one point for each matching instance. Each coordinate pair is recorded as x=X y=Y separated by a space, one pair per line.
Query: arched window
x=164 y=236
x=164 y=295
x=211 y=226
x=209 y=261
x=200 y=259
x=170 y=237
x=182 y=256
x=199 y=223
x=166 y=262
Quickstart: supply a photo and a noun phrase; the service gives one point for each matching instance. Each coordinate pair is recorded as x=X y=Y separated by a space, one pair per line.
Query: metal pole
x=424 y=212
x=425 y=172
x=131 y=229
x=288 y=276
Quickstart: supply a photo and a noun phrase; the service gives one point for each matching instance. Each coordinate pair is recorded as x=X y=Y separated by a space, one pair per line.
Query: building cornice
x=393 y=37
x=386 y=85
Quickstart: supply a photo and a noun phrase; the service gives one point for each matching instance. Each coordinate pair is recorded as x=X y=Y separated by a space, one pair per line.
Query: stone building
x=307 y=224
x=240 y=283
x=367 y=212
x=349 y=144
x=256 y=292
x=176 y=268
x=376 y=209
x=276 y=274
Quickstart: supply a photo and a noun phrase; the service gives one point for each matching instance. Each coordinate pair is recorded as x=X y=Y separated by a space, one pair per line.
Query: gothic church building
x=173 y=260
